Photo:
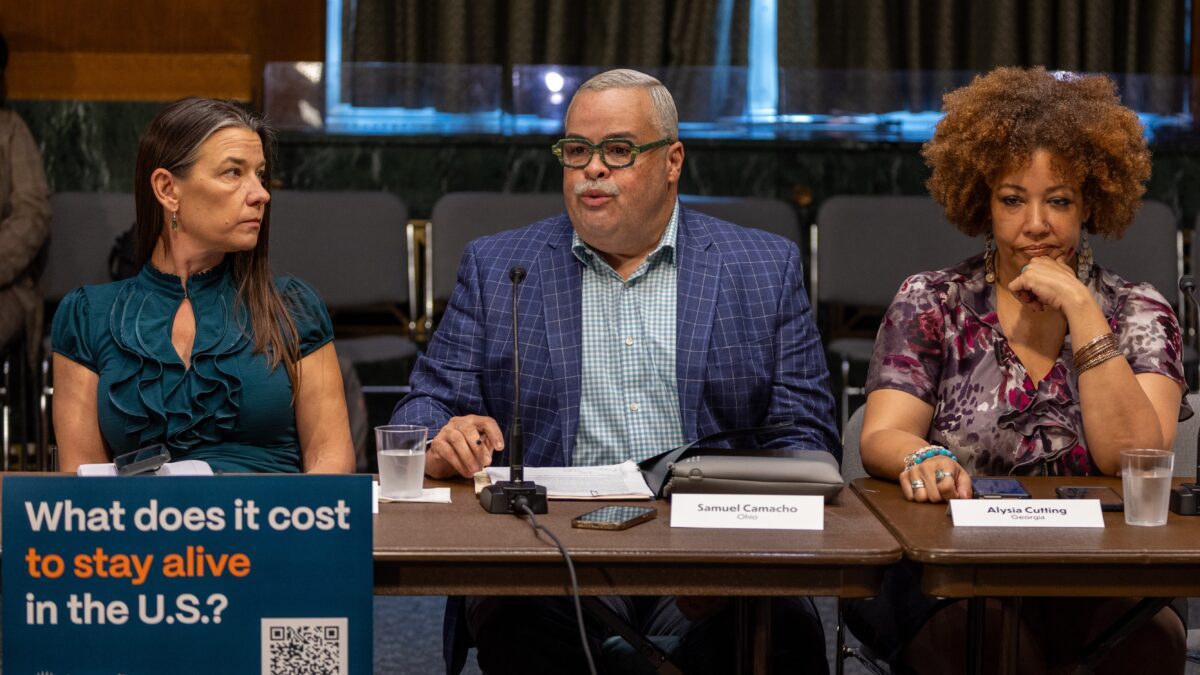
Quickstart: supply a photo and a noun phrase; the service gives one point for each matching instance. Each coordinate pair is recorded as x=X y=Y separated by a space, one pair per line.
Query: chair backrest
x=865 y=246
x=351 y=246
x=761 y=213
x=460 y=217
x=1151 y=250
x=83 y=227
x=1185 y=441
x=852 y=466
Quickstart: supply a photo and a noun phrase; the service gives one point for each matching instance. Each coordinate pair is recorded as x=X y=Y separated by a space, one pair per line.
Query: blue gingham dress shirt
x=629 y=398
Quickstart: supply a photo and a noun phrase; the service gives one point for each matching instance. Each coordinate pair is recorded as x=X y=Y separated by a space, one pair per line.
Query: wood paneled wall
x=154 y=50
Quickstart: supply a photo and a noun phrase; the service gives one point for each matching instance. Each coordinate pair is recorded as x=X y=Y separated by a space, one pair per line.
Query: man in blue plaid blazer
x=741 y=350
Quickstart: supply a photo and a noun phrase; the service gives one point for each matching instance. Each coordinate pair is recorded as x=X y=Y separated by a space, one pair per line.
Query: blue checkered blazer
x=748 y=350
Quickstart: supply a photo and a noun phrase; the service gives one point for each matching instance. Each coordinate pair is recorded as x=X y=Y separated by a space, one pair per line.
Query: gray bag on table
x=776 y=471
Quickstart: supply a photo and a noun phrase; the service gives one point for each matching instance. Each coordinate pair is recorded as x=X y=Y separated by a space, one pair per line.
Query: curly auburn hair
x=995 y=124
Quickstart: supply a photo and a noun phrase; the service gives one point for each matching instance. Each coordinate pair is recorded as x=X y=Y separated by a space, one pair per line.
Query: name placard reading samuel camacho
x=748 y=512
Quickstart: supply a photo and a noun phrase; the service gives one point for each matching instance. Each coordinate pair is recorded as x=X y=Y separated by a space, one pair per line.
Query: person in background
x=1029 y=359
x=643 y=325
x=24 y=224
x=203 y=350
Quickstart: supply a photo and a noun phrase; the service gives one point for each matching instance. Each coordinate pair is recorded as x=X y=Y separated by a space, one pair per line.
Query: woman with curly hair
x=1007 y=363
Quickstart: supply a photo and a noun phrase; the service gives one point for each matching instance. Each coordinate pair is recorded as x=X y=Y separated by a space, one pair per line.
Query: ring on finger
x=940 y=474
x=917 y=484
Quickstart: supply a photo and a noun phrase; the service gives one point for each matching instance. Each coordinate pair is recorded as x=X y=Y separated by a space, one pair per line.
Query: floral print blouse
x=941 y=341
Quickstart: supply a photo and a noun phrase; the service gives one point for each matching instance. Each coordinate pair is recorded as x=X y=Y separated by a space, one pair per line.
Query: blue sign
x=232 y=574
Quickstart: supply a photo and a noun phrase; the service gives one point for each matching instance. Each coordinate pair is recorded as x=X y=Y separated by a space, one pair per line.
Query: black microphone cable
x=521 y=505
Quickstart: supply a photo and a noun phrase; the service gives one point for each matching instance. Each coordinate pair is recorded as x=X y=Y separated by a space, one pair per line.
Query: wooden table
x=976 y=562
x=458 y=549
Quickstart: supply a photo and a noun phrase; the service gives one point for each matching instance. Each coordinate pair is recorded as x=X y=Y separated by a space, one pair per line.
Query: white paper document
x=611 y=481
x=185 y=467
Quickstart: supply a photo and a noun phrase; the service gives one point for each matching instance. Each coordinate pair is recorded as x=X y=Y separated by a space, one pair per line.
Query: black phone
x=998 y=488
x=1109 y=499
x=614 y=517
x=142 y=460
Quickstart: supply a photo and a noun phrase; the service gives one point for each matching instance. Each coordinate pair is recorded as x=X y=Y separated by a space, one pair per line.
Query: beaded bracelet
x=928 y=452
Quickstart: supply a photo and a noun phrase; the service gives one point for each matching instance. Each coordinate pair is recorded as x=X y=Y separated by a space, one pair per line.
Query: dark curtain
x=646 y=34
x=880 y=45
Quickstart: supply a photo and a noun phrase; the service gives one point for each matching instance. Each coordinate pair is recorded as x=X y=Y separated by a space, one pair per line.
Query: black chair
x=352 y=247
x=862 y=248
x=83 y=228
x=460 y=217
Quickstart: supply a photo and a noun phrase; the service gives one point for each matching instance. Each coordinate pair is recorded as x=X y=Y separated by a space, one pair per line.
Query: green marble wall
x=90 y=145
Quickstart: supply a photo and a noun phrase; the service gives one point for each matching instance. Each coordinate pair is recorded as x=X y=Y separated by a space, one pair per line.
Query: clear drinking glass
x=1146 y=479
x=401 y=450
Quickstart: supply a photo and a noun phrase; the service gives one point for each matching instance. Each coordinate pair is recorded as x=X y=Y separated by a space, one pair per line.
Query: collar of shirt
x=663 y=253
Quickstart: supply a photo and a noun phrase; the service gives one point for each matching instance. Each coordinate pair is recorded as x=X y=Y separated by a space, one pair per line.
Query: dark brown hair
x=995 y=124
x=172 y=142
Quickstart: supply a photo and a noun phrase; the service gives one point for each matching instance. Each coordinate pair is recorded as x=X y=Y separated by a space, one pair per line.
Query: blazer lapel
x=697 y=284
x=561 y=285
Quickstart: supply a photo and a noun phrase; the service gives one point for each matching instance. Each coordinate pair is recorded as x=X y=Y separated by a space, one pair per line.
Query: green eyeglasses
x=576 y=153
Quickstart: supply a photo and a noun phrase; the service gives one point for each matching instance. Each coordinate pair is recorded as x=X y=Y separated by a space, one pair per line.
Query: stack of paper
x=611 y=481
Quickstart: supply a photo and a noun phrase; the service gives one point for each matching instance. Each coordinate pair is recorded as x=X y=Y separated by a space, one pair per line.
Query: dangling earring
x=175 y=221
x=989 y=259
x=1083 y=262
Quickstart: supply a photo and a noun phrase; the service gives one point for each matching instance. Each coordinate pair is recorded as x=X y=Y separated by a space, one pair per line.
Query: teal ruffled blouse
x=229 y=408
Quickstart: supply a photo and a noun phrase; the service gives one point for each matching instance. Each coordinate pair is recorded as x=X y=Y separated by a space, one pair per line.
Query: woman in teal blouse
x=203 y=350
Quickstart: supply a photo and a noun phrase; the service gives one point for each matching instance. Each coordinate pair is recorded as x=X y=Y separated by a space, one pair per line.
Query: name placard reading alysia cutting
x=1026 y=512
x=748 y=512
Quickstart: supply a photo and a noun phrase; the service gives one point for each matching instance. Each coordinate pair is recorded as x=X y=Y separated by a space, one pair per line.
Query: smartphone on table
x=1109 y=499
x=998 y=488
x=614 y=517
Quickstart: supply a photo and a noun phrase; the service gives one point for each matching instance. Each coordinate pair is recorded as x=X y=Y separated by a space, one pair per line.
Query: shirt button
x=633 y=407
x=628 y=342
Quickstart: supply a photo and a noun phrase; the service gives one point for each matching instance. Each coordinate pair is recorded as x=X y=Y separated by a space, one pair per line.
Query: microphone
x=515 y=494
x=1185 y=497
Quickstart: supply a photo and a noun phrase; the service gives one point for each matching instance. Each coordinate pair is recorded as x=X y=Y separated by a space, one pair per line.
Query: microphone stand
x=516 y=494
x=1185 y=497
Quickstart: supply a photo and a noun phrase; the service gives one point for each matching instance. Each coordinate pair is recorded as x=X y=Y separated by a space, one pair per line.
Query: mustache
x=604 y=186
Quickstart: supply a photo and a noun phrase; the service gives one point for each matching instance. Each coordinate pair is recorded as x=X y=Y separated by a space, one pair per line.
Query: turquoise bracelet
x=934 y=452
x=925 y=453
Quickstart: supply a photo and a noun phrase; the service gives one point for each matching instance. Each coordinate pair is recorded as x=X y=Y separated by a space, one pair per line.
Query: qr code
x=317 y=646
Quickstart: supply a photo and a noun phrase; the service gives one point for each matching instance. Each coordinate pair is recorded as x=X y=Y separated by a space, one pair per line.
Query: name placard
x=234 y=574
x=748 y=512
x=1026 y=513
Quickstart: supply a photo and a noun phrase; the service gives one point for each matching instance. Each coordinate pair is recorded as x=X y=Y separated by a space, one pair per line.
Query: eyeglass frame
x=634 y=150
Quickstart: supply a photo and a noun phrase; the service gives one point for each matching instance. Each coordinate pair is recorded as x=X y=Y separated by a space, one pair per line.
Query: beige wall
x=154 y=50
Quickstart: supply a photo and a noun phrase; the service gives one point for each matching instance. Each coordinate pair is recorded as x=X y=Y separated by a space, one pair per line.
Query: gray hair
x=666 y=118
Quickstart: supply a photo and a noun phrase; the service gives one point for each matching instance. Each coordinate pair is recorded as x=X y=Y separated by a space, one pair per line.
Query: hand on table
x=464 y=446
x=921 y=483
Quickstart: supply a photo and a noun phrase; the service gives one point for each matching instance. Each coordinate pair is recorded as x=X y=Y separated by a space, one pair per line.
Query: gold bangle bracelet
x=1095 y=361
x=1097 y=357
x=1104 y=345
